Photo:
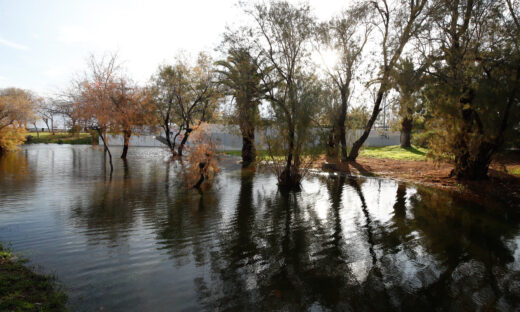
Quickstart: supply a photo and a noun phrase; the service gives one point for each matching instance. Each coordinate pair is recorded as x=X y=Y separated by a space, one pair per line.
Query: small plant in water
x=202 y=160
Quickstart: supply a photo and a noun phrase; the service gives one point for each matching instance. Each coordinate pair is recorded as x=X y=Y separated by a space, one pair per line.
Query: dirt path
x=500 y=186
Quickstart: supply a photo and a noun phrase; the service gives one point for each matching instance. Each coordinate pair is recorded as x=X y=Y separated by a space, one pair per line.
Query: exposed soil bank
x=500 y=186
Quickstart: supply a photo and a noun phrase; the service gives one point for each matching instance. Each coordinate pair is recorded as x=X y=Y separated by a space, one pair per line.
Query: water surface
x=142 y=242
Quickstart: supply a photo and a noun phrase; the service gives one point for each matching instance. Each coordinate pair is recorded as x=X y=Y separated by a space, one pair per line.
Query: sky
x=43 y=44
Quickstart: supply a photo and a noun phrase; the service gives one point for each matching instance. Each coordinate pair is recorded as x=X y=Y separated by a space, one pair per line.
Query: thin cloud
x=13 y=44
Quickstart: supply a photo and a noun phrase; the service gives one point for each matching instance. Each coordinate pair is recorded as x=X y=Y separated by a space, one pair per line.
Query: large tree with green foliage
x=241 y=75
x=408 y=81
x=283 y=34
x=476 y=45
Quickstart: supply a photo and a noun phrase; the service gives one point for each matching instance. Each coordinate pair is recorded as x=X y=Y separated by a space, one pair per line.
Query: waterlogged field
x=142 y=242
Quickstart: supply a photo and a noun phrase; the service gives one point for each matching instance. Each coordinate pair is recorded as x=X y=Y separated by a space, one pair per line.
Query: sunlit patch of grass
x=260 y=154
x=395 y=152
x=389 y=152
x=58 y=138
x=514 y=170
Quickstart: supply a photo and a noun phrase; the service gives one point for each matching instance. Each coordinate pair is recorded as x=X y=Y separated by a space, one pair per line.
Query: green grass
x=23 y=290
x=58 y=138
x=395 y=152
x=388 y=152
x=260 y=153
x=514 y=170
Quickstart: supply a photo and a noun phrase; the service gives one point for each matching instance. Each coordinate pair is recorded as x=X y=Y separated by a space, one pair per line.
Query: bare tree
x=96 y=89
x=48 y=111
x=187 y=96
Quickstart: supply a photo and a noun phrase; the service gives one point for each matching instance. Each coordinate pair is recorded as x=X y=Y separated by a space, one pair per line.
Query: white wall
x=227 y=138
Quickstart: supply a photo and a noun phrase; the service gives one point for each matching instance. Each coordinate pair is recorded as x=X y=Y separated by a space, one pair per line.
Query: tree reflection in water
x=342 y=243
x=282 y=256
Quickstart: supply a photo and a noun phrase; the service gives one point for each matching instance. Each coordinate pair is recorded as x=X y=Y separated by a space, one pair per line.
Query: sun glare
x=327 y=58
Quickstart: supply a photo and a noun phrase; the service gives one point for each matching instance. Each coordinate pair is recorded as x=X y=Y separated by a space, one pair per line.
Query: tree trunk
x=171 y=145
x=248 y=147
x=473 y=167
x=331 y=145
x=37 y=131
x=341 y=126
x=470 y=163
x=75 y=129
x=290 y=177
x=354 y=152
x=406 y=132
x=107 y=150
x=46 y=121
x=126 y=136
x=202 y=167
x=184 y=140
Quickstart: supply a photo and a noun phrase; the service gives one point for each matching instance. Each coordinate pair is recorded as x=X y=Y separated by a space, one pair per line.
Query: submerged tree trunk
x=126 y=137
x=248 y=147
x=184 y=140
x=105 y=144
x=290 y=176
x=171 y=145
x=341 y=126
x=331 y=145
x=406 y=132
x=202 y=166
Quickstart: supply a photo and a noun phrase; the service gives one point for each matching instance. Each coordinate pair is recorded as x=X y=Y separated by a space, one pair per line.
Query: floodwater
x=142 y=242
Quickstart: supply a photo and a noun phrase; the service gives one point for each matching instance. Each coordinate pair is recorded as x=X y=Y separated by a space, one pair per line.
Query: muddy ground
x=500 y=186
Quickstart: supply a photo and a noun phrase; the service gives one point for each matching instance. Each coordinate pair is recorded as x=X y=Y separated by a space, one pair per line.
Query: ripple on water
x=141 y=241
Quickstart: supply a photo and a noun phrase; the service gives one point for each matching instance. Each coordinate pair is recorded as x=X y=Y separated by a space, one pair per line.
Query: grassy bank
x=23 y=290
x=395 y=152
x=59 y=138
x=386 y=152
x=260 y=154
x=514 y=170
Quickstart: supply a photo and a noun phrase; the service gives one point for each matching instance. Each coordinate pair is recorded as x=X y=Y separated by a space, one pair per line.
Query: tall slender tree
x=283 y=34
x=241 y=75
x=346 y=35
x=407 y=80
x=398 y=22
x=97 y=89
